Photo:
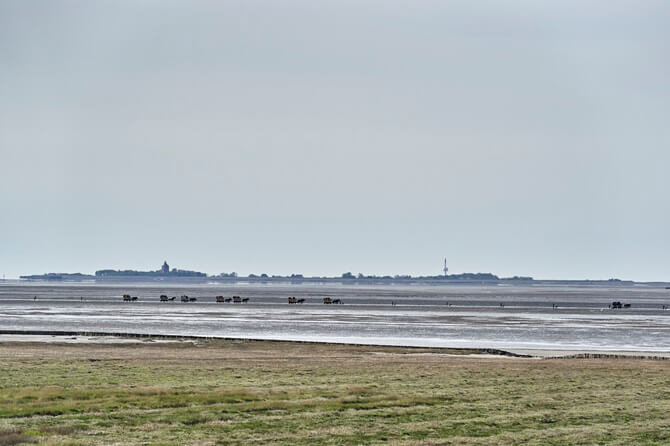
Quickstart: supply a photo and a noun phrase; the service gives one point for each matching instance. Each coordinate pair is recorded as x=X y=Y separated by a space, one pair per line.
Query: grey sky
x=516 y=137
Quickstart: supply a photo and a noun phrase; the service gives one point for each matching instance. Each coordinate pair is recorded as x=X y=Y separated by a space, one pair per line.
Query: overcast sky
x=318 y=137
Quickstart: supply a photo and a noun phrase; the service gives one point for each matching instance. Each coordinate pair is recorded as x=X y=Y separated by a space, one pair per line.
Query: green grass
x=274 y=393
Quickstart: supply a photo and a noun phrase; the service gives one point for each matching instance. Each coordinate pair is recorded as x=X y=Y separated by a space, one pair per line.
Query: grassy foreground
x=224 y=392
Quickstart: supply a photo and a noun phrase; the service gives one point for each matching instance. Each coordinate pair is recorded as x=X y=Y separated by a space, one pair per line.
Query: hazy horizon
x=511 y=137
x=243 y=275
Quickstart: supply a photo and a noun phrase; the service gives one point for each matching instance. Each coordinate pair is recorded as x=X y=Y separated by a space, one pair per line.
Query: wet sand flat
x=540 y=318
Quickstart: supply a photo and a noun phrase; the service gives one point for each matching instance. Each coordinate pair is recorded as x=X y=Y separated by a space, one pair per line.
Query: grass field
x=224 y=392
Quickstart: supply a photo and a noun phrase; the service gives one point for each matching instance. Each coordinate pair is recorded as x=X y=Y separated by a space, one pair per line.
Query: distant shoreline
x=57 y=333
x=166 y=274
x=333 y=280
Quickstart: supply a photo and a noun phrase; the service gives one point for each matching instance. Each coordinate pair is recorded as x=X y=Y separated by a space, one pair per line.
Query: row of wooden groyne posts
x=233 y=299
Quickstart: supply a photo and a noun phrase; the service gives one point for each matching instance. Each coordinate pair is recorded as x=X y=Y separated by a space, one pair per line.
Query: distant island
x=72 y=277
x=164 y=273
x=110 y=274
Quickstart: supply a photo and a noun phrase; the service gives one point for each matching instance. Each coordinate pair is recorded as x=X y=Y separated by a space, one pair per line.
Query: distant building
x=165 y=268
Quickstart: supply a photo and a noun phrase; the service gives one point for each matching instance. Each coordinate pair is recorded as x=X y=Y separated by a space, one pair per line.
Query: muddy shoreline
x=87 y=337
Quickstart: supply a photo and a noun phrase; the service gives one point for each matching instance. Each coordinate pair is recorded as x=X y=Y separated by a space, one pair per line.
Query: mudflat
x=237 y=392
x=538 y=317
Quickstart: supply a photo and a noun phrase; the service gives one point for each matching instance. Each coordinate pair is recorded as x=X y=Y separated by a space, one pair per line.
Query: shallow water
x=444 y=315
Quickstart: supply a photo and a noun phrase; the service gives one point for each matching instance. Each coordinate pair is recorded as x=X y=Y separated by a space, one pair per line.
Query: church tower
x=165 y=268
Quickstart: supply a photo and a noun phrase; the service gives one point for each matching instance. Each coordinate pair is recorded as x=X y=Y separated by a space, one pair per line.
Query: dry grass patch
x=13 y=436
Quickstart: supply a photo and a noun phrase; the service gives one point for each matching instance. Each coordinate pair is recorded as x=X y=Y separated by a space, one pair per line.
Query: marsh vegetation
x=225 y=392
